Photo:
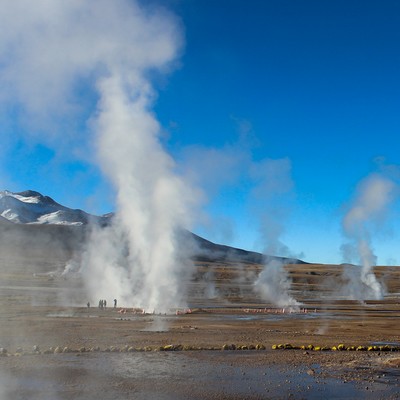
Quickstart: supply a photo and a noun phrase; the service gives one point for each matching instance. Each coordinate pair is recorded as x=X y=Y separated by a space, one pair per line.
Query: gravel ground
x=45 y=314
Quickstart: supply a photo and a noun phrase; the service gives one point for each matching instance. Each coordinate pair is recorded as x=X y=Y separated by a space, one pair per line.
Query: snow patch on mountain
x=30 y=207
x=26 y=199
x=56 y=218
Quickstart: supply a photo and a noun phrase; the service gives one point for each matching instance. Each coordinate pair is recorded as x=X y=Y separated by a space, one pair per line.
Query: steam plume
x=152 y=204
x=50 y=54
x=365 y=216
x=274 y=186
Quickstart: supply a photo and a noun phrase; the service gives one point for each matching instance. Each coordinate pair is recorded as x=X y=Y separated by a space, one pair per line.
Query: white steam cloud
x=269 y=194
x=272 y=193
x=363 y=218
x=51 y=53
x=152 y=204
x=273 y=285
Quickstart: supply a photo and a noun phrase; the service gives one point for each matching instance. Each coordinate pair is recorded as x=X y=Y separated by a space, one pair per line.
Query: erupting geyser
x=273 y=285
x=52 y=52
x=273 y=192
x=138 y=259
x=367 y=210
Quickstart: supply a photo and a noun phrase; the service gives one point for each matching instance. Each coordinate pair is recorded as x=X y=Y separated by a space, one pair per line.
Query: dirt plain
x=90 y=353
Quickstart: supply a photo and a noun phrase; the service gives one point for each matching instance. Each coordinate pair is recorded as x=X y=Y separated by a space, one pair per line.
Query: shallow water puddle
x=169 y=375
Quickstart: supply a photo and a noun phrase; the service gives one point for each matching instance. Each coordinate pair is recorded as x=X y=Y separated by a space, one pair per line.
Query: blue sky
x=305 y=91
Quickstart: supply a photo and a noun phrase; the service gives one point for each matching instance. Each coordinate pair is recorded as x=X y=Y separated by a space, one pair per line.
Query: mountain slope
x=35 y=241
x=211 y=252
x=35 y=223
x=30 y=207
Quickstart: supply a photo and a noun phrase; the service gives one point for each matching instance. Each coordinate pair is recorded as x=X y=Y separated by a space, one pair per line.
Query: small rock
x=311 y=372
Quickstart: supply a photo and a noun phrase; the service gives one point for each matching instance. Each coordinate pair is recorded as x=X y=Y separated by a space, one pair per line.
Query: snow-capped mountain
x=31 y=221
x=30 y=207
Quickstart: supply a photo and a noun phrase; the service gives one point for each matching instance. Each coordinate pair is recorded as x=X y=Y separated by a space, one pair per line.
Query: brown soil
x=32 y=314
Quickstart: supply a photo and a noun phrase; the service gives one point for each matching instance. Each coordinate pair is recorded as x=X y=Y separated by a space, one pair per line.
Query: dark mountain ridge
x=65 y=239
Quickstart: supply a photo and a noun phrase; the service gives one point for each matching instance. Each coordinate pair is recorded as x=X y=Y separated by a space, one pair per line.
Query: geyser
x=94 y=61
x=153 y=204
x=138 y=261
x=273 y=285
x=272 y=194
x=363 y=218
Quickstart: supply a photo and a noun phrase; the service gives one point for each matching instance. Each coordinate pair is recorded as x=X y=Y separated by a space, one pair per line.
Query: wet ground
x=38 y=310
x=184 y=375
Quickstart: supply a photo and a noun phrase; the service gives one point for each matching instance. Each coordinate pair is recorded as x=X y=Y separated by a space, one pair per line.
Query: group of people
x=103 y=304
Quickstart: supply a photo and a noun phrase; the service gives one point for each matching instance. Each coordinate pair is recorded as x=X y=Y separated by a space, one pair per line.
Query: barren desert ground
x=55 y=347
